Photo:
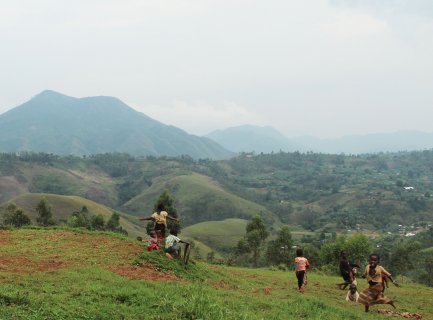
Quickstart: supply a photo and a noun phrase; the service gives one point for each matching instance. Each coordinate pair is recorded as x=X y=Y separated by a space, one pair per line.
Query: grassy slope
x=64 y=206
x=192 y=189
x=217 y=234
x=61 y=274
x=79 y=180
x=10 y=188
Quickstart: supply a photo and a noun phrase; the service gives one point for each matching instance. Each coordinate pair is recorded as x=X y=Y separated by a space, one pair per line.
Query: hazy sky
x=322 y=67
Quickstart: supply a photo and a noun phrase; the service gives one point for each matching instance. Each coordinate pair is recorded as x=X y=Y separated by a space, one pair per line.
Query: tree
x=255 y=236
x=80 y=219
x=404 y=257
x=97 y=222
x=278 y=250
x=358 y=246
x=14 y=216
x=45 y=215
x=113 y=224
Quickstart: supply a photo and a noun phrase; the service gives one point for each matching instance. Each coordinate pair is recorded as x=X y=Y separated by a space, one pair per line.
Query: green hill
x=64 y=206
x=65 y=177
x=198 y=198
x=313 y=192
x=61 y=274
x=218 y=235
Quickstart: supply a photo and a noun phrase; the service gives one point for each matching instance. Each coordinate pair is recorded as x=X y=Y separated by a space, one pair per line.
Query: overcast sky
x=327 y=68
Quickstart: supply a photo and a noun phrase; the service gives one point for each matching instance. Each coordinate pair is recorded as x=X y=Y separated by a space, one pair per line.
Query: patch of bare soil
x=248 y=276
x=24 y=265
x=4 y=237
x=146 y=272
x=221 y=285
x=407 y=315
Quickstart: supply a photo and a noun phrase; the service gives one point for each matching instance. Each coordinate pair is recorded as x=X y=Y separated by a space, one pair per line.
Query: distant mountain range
x=250 y=138
x=55 y=123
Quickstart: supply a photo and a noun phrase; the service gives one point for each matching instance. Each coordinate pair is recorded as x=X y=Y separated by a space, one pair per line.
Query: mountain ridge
x=55 y=123
x=250 y=138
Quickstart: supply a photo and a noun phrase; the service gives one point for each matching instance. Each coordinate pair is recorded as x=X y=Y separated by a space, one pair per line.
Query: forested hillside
x=318 y=192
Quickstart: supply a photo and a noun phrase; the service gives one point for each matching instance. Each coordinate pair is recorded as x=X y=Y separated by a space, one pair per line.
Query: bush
x=15 y=217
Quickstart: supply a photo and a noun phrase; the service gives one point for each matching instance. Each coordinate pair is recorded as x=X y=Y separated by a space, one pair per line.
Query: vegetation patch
x=146 y=271
x=18 y=300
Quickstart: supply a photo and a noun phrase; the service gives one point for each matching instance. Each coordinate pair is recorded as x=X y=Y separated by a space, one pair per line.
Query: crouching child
x=152 y=243
x=172 y=247
x=352 y=294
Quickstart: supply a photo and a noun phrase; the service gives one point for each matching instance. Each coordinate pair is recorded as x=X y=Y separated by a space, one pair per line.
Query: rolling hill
x=55 y=123
x=198 y=198
x=218 y=235
x=64 y=206
x=314 y=192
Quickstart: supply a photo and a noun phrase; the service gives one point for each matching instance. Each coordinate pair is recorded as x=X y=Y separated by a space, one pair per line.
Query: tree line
x=14 y=216
x=409 y=257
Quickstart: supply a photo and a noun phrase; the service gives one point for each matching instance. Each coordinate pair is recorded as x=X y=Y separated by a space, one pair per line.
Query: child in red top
x=301 y=265
x=152 y=243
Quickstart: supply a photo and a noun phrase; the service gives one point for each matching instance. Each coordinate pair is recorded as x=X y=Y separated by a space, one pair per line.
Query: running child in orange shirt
x=301 y=265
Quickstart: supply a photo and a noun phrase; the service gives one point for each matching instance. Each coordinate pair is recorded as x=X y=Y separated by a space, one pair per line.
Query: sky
x=326 y=68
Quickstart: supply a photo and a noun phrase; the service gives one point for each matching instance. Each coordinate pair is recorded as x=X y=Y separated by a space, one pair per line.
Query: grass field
x=67 y=274
x=217 y=234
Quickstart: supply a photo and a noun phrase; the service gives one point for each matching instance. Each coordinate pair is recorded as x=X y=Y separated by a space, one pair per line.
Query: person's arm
x=388 y=275
x=172 y=218
x=393 y=281
x=147 y=218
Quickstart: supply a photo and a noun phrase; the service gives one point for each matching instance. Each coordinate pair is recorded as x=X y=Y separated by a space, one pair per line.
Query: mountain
x=369 y=143
x=55 y=123
x=252 y=138
x=267 y=139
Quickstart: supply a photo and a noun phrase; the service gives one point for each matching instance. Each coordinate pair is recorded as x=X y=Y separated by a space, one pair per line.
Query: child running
x=301 y=265
x=347 y=270
x=374 y=293
x=160 y=218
